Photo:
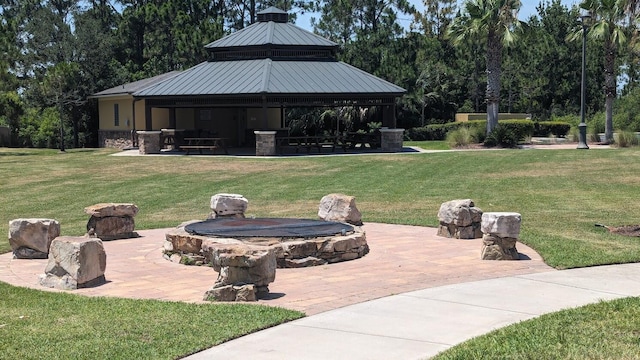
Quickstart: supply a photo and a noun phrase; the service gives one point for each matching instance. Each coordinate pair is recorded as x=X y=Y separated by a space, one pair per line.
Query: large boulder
x=503 y=224
x=501 y=232
x=75 y=262
x=459 y=219
x=239 y=266
x=111 y=209
x=110 y=221
x=232 y=205
x=31 y=238
x=339 y=207
x=112 y=227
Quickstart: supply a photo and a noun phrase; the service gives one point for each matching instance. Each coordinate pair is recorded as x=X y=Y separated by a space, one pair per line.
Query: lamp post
x=582 y=144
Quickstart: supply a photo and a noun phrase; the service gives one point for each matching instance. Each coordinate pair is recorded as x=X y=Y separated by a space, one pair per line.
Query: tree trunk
x=494 y=52
x=609 y=92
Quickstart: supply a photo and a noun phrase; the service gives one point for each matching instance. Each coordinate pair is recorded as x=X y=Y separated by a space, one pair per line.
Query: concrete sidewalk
x=419 y=324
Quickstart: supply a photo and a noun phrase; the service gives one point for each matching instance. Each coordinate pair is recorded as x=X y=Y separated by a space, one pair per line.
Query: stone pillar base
x=265 y=143
x=149 y=142
x=391 y=140
x=501 y=232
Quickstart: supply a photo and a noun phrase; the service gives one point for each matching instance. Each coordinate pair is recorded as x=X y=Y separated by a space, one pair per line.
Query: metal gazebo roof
x=265 y=76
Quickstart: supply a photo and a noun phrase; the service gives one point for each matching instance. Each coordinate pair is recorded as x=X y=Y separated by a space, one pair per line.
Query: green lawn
x=606 y=330
x=560 y=194
x=46 y=325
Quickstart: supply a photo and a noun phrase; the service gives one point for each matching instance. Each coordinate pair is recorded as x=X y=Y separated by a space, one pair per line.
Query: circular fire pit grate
x=268 y=227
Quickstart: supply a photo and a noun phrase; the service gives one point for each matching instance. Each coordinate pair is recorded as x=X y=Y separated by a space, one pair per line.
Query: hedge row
x=546 y=128
x=520 y=128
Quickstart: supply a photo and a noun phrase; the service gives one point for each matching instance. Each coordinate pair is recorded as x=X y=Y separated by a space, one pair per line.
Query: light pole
x=582 y=144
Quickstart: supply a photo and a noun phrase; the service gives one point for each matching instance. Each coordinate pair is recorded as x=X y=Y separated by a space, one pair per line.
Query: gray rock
x=228 y=204
x=499 y=248
x=111 y=209
x=242 y=264
x=339 y=207
x=502 y=224
x=112 y=227
x=456 y=212
x=26 y=253
x=231 y=293
x=35 y=234
x=459 y=219
x=298 y=263
x=75 y=262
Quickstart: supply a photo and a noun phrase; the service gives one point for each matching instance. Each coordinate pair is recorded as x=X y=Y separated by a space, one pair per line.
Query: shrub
x=557 y=128
x=626 y=139
x=520 y=128
x=574 y=134
x=464 y=136
x=502 y=135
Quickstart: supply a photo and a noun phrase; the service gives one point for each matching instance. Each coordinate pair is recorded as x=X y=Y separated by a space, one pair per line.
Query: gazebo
x=251 y=77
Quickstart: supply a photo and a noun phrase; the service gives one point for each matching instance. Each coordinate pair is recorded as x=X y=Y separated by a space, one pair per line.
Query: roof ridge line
x=269 y=35
x=266 y=76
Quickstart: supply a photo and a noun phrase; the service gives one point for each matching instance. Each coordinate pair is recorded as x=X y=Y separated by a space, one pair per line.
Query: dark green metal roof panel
x=262 y=33
x=132 y=87
x=265 y=76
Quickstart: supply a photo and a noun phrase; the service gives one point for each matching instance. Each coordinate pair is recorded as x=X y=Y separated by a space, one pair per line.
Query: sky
x=528 y=9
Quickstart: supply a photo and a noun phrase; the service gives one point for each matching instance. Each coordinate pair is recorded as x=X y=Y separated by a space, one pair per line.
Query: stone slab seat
x=501 y=231
x=110 y=221
x=75 y=262
x=31 y=238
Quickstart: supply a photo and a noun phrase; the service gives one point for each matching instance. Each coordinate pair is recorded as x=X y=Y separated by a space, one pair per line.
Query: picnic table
x=308 y=142
x=204 y=143
x=353 y=139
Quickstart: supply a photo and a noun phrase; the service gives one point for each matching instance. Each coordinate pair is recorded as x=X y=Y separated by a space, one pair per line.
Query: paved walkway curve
x=420 y=324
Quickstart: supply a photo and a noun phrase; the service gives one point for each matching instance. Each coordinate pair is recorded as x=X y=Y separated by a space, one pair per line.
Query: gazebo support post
x=148 y=124
x=172 y=118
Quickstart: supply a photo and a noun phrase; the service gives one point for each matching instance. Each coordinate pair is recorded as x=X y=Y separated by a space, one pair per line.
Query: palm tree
x=496 y=20
x=608 y=17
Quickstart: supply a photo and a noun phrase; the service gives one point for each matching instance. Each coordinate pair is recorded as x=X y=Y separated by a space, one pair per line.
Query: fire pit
x=268 y=227
x=297 y=242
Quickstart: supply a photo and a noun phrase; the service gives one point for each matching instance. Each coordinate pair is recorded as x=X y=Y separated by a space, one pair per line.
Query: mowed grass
x=560 y=193
x=46 y=325
x=606 y=330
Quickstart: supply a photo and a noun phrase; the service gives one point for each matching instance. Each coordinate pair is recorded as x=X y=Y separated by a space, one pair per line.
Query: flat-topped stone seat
x=75 y=262
x=31 y=238
x=339 y=207
x=228 y=205
x=244 y=272
x=501 y=231
x=110 y=221
x=459 y=219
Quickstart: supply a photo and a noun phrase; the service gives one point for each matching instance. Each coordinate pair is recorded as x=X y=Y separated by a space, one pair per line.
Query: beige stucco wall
x=107 y=116
x=160 y=117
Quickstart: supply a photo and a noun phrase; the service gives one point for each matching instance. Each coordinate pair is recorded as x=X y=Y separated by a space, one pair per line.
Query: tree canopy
x=473 y=57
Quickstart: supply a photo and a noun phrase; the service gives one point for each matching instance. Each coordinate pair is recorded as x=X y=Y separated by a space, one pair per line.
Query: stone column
x=265 y=143
x=501 y=231
x=391 y=140
x=149 y=142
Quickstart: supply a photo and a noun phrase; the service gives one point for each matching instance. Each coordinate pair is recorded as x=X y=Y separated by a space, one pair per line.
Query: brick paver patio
x=402 y=258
